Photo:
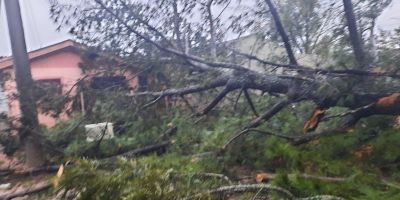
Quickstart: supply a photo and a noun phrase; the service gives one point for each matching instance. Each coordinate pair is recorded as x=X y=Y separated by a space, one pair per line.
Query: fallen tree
x=324 y=87
x=147 y=34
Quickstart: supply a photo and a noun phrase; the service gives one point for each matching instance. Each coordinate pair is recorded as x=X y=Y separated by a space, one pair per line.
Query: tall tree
x=29 y=130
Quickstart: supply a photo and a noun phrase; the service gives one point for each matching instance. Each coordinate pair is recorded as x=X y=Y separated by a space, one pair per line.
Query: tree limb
x=212 y=30
x=237 y=100
x=250 y=102
x=216 y=100
x=353 y=32
x=301 y=68
x=255 y=123
x=282 y=32
x=187 y=90
x=270 y=113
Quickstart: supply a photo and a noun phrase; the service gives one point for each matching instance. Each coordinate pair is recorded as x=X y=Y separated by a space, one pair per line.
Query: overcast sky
x=40 y=30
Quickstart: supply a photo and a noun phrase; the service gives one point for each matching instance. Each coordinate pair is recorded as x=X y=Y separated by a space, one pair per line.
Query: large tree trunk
x=29 y=130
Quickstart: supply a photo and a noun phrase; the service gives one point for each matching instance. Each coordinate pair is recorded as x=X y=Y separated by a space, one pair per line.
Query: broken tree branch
x=216 y=100
x=187 y=90
x=270 y=113
x=161 y=146
x=255 y=123
x=250 y=102
x=140 y=151
x=306 y=69
x=350 y=112
x=266 y=176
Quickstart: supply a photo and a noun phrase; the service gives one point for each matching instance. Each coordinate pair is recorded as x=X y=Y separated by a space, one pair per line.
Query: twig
x=221 y=176
x=96 y=147
x=152 y=102
x=232 y=189
x=144 y=150
x=350 y=112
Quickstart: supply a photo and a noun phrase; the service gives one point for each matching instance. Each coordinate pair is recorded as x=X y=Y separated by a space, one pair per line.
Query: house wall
x=63 y=66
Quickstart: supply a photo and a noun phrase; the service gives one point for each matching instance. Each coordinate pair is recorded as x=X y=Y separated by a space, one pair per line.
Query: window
x=48 y=87
x=46 y=92
x=142 y=82
x=109 y=82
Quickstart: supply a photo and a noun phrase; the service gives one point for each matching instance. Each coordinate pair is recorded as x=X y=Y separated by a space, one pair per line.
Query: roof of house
x=7 y=62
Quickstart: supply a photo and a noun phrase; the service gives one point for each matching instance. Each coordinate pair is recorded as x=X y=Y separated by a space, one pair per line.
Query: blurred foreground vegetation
x=365 y=161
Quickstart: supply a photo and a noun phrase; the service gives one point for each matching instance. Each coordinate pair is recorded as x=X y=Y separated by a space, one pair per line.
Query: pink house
x=55 y=64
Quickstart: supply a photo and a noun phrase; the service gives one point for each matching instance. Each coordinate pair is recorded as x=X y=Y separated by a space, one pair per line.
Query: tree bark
x=29 y=131
x=282 y=32
x=212 y=30
x=353 y=32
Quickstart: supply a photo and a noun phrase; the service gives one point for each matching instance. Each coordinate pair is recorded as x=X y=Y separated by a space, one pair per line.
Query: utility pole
x=29 y=130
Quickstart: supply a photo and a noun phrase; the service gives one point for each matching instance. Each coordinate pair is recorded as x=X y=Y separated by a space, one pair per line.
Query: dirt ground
x=12 y=186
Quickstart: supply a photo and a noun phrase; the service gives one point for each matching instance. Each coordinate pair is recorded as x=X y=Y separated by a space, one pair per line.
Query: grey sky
x=40 y=30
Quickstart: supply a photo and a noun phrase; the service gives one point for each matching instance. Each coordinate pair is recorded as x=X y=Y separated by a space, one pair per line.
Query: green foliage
x=367 y=157
x=152 y=177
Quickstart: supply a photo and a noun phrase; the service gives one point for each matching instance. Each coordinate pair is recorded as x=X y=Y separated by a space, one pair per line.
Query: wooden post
x=82 y=103
x=29 y=130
